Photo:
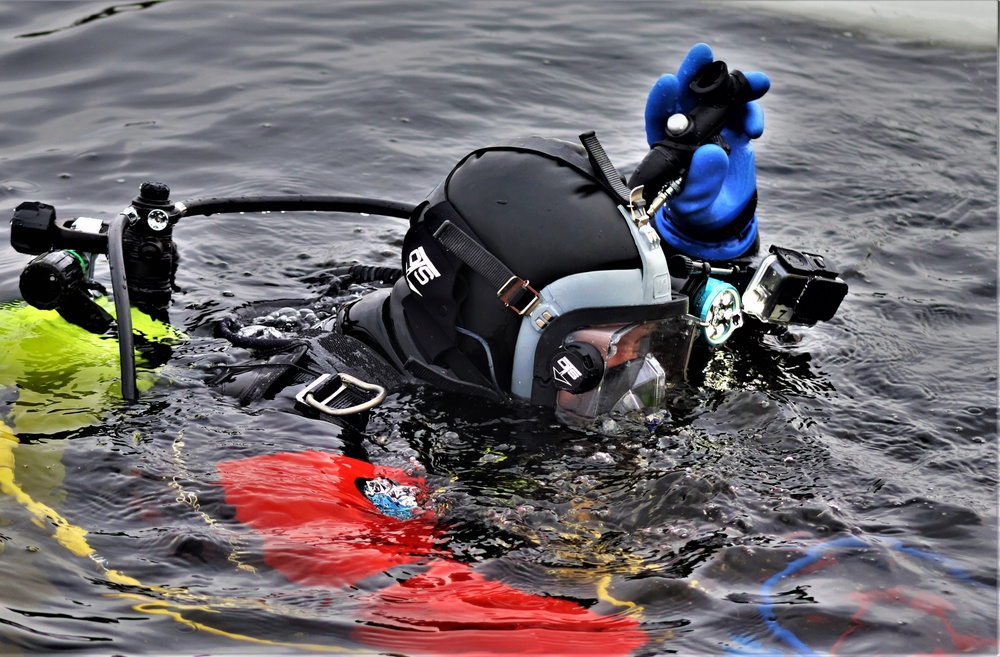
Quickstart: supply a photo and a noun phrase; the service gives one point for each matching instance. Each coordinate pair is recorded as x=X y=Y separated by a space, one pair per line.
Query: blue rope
x=766 y=609
x=948 y=566
x=812 y=555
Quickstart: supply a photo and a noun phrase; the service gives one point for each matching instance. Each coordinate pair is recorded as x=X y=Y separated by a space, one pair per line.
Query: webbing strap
x=513 y=291
x=473 y=254
x=607 y=169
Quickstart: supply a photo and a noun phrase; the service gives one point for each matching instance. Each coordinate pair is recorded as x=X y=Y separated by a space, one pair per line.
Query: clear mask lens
x=640 y=362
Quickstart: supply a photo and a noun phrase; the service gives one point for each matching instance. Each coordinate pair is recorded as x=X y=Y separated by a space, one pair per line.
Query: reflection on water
x=829 y=490
x=105 y=13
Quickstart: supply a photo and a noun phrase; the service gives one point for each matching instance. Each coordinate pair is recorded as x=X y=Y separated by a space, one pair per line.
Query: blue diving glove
x=712 y=218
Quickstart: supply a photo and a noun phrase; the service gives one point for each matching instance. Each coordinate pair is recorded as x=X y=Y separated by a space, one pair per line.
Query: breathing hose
x=126 y=347
x=374 y=273
x=304 y=203
x=224 y=205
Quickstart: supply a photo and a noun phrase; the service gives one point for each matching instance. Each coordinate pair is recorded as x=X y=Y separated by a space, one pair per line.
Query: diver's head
x=525 y=278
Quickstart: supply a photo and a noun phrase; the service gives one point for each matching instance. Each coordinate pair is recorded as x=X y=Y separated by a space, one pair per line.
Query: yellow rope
x=190 y=499
x=164 y=608
x=604 y=595
x=74 y=539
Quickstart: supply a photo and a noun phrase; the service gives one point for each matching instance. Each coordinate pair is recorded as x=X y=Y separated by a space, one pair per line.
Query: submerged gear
x=55 y=376
x=358 y=525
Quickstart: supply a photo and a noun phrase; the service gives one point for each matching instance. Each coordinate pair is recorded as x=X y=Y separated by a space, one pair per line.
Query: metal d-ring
x=345 y=380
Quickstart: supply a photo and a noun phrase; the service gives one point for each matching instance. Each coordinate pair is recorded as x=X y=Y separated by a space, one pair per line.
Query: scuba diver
x=535 y=273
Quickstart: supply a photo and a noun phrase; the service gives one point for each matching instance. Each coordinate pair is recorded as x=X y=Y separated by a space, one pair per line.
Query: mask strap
x=512 y=290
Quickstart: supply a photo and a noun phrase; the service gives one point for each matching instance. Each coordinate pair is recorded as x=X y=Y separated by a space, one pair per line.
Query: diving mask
x=620 y=367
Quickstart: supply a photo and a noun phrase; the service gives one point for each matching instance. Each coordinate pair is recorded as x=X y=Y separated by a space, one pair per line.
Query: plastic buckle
x=517 y=295
x=341 y=394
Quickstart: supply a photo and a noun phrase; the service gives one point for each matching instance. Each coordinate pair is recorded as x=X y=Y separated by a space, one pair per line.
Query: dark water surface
x=859 y=457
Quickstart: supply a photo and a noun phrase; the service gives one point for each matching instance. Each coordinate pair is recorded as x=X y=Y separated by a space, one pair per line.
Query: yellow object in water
x=154 y=598
x=56 y=376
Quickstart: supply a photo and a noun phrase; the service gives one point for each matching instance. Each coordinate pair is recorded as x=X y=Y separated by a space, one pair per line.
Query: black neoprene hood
x=542 y=216
x=536 y=205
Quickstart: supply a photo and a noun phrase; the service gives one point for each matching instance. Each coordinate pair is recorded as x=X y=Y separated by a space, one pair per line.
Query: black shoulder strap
x=450 y=384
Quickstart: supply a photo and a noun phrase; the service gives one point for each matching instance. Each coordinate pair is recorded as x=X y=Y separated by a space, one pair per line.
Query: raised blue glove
x=712 y=218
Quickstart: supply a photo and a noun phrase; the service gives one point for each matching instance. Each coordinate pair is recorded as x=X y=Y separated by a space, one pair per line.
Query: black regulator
x=61 y=276
x=149 y=250
x=139 y=245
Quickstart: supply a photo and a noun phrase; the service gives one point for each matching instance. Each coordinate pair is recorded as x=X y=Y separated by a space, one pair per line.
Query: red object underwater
x=319 y=529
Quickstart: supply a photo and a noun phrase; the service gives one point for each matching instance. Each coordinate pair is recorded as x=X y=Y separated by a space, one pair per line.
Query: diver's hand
x=718 y=187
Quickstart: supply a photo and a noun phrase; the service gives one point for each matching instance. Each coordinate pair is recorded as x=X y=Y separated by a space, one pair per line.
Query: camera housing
x=792 y=287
